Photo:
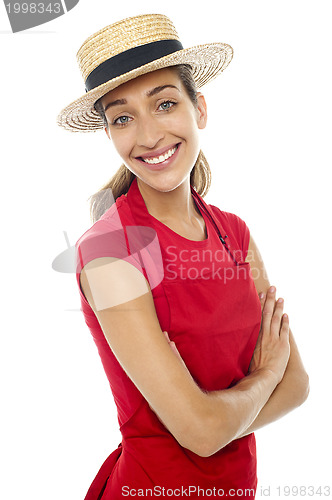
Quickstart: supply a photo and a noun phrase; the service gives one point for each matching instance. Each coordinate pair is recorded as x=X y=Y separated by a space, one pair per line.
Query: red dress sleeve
x=111 y=237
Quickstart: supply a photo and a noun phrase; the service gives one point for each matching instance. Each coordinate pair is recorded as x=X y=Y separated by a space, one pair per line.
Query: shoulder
x=232 y=221
x=106 y=237
x=235 y=228
x=115 y=217
x=119 y=208
x=116 y=237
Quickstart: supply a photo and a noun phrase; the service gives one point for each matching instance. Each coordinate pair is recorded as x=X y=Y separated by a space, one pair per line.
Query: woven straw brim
x=207 y=62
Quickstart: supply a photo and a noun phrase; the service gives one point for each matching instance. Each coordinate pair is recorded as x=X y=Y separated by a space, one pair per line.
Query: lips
x=159 y=156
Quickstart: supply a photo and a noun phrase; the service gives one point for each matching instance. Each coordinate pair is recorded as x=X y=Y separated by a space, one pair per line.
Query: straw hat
x=130 y=48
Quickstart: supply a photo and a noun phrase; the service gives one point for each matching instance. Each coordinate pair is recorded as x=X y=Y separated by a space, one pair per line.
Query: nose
x=148 y=132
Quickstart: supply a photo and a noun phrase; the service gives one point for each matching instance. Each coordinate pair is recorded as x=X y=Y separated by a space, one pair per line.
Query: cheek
x=184 y=126
x=122 y=143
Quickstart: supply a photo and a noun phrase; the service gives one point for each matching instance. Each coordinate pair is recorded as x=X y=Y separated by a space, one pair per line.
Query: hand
x=272 y=348
x=173 y=347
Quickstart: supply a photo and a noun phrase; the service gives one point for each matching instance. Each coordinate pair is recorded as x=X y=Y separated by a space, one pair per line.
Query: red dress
x=206 y=300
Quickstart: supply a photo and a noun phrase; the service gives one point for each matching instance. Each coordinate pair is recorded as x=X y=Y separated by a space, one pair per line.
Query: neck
x=171 y=204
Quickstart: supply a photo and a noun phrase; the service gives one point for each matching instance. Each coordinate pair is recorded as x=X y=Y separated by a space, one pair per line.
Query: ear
x=107 y=132
x=201 y=110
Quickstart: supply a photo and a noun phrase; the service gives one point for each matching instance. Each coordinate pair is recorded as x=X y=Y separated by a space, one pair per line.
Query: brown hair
x=200 y=176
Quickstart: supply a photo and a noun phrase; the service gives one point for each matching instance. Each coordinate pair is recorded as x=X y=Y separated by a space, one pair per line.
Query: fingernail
x=166 y=335
x=261 y=295
x=280 y=300
x=272 y=289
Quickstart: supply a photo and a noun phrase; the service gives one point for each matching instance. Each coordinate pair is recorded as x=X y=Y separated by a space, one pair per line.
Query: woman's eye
x=165 y=106
x=122 y=120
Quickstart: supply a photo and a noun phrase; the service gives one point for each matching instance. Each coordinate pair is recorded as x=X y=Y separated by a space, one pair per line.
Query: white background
x=268 y=142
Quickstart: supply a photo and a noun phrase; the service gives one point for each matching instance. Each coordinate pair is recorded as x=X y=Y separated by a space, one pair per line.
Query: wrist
x=267 y=374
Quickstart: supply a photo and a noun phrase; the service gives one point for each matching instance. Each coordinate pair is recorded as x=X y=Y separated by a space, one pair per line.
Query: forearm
x=292 y=391
x=288 y=395
x=231 y=411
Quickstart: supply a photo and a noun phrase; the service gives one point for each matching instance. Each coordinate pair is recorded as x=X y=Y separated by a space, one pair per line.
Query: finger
x=262 y=297
x=174 y=348
x=276 y=318
x=259 y=339
x=284 y=330
x=268 y=309
x=172 y=345
x=176 y=352
x=167 y=337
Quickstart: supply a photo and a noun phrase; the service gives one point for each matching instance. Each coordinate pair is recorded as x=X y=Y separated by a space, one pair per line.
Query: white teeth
x=160 y=159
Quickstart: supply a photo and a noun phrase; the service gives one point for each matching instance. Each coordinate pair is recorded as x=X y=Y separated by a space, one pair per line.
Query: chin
x=164 y=185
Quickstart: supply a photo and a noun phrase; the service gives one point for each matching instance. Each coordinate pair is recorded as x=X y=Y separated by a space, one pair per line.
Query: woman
x=196 y=348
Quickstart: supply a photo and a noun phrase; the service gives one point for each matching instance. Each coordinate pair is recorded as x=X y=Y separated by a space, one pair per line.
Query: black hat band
x=130 y=59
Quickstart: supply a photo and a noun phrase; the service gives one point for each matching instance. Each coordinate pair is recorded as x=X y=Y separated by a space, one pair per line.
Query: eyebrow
x=150 y=93
x=154 y=91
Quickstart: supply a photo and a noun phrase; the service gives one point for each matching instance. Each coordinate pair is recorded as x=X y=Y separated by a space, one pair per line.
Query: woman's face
x=154 y=126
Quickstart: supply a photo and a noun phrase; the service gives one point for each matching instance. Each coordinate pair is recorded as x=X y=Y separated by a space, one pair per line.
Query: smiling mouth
x=161 y=158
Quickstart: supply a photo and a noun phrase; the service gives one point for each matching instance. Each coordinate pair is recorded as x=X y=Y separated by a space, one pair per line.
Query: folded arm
x=203 y=422
x=293 y=389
